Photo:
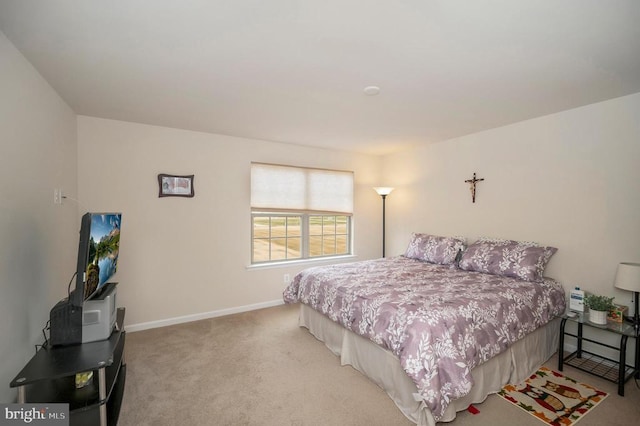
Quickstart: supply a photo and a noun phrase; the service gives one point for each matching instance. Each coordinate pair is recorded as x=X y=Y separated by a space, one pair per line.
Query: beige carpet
x=260 y=368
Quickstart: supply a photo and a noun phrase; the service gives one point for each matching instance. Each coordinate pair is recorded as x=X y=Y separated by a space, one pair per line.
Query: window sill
x=286 y=263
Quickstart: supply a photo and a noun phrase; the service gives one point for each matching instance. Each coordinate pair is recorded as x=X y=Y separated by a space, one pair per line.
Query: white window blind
x=296 y=188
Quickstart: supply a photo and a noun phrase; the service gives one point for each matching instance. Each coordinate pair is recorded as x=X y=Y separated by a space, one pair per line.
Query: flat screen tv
x=89 y=313
x=98 y=251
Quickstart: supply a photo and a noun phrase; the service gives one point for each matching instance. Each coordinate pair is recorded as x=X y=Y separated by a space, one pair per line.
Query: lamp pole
x=383 y=191
x=384 y=197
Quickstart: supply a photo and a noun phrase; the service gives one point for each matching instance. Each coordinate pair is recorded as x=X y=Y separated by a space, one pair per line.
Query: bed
x=435 y=329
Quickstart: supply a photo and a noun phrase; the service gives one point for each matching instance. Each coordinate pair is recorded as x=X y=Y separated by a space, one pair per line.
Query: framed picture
x=175 y=186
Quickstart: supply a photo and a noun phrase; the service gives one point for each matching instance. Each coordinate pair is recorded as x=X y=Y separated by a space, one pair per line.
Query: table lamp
x=628 y=278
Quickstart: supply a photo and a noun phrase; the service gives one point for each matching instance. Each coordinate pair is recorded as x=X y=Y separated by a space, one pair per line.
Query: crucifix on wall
x=472 y=186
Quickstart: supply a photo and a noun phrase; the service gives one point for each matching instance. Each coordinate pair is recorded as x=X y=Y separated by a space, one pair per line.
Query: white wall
x=38 y=240
x=189 y=256
x=569 y=180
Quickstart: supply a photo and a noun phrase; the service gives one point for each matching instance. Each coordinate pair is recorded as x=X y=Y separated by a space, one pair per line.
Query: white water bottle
x=576 y=300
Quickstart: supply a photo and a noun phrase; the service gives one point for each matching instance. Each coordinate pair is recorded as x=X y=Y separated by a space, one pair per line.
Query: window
x=276 y=237
x=328 y=235
x=299 y=213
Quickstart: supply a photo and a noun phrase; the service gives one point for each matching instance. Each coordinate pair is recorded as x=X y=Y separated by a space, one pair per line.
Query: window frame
x=305 y=237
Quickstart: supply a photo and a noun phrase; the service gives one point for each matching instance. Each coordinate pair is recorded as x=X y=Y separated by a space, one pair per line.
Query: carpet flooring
x=260 y=368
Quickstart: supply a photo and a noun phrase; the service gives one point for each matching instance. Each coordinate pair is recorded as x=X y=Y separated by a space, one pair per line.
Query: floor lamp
x=383 y=191
x=628 y=278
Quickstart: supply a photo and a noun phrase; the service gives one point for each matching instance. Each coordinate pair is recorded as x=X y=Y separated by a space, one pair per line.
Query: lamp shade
x=628 y=276
x=383 y=190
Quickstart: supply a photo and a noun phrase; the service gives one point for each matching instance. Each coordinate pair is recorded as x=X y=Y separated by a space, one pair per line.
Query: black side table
x=616 y=371
x=50 y=377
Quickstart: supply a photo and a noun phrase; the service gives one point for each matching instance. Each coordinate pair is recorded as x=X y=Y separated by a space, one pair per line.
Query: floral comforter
x=439 y=321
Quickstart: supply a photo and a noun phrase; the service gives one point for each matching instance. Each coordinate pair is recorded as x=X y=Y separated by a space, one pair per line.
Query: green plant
x=598 y=303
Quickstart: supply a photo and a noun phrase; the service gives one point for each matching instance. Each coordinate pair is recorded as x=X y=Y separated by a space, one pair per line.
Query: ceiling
x=294 y=71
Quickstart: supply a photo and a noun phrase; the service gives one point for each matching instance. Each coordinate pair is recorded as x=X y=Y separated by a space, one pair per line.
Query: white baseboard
x=201 y=316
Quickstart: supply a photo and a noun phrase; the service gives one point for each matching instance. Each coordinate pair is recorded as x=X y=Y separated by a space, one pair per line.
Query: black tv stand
x=49 y=377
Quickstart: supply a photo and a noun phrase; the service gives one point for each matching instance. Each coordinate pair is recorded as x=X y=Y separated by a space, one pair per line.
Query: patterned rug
x=553 y=398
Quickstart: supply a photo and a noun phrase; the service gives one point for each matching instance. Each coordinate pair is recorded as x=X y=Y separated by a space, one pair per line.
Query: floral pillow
x=508 y=258
x=434 y=249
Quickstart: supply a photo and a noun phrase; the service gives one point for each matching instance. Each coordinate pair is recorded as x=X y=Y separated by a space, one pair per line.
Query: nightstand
x=616 y=371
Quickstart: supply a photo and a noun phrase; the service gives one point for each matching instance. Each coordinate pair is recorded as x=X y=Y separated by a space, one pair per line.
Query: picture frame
x=175 y=185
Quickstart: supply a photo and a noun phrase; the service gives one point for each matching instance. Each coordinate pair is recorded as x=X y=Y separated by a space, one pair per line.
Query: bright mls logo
x=34 y=414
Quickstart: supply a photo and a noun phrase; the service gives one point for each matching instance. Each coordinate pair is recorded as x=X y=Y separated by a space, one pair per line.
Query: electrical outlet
x=287 y=278
x=57 y=196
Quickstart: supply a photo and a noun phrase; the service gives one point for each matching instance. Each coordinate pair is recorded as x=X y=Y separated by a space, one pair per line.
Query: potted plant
x=599 y=307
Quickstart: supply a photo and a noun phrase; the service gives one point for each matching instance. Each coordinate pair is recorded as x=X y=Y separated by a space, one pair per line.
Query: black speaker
x=65 y=326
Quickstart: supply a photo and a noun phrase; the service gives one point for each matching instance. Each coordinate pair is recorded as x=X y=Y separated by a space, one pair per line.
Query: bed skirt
x=383 y=368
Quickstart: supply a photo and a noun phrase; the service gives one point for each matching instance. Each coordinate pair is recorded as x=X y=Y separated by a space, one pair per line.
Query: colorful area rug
x=553 y=398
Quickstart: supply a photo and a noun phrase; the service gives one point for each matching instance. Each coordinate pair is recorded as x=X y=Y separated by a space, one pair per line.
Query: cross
x=472 y=186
